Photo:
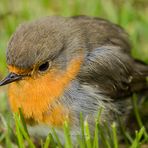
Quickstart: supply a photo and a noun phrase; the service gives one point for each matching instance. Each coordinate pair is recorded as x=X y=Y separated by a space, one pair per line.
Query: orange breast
x=35 y=95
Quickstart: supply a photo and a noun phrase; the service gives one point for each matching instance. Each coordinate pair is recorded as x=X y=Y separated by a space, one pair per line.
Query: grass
x=130 y=14
x=22 y=139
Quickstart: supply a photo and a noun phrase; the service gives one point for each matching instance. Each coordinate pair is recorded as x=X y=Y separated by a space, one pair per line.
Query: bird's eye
x=43 y=67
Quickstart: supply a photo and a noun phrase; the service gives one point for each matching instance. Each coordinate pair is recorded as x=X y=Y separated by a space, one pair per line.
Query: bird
x=60 y=67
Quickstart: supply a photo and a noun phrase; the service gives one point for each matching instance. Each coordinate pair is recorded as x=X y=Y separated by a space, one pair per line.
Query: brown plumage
x=63 y=66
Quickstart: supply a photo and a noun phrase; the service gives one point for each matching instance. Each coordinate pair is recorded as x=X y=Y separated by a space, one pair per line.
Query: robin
x=59 y=67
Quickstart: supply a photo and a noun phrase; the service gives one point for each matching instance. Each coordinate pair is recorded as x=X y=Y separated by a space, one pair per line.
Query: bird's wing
x=115 y=72
x=108 y=64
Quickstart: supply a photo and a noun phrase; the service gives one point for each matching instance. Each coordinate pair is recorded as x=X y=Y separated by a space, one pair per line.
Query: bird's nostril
x=12 y=75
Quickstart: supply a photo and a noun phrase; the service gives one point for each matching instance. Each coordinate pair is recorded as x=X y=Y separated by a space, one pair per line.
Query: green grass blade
x=68 y=142
x=115 y=139
x=139 y=135
x=103 y=137
x=47 y=142
x=96 y=137
x=23 y=121
x=136 y=111
x=87 y=135
x=22 y=132
x=56 y=138
x=18 y=132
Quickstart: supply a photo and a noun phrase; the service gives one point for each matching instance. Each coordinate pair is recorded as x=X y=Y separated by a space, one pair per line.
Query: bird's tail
x=140 y=82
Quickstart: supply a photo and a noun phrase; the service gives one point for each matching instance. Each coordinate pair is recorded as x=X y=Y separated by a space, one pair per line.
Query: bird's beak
x=12 y=77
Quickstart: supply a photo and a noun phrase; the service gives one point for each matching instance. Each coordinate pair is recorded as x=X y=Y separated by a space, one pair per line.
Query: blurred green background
x=132 y=15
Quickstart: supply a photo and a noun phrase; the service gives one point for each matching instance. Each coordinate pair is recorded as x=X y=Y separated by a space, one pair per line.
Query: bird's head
x=43 y=58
